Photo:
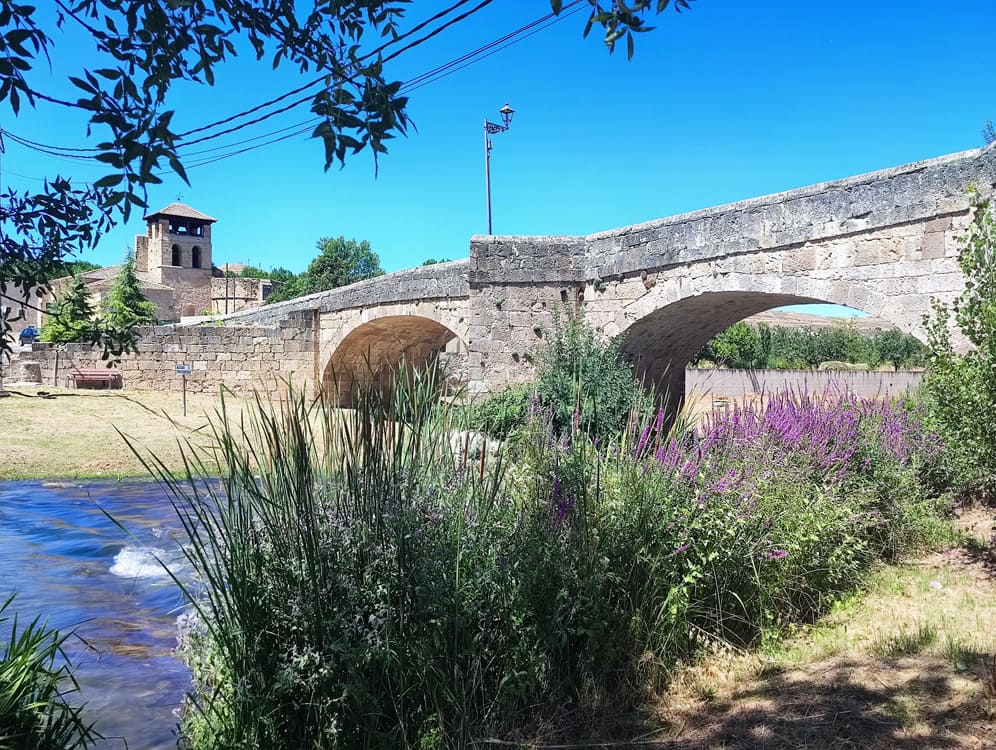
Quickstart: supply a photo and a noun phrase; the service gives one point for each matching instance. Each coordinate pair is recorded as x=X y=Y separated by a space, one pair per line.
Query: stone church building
x=174 y=262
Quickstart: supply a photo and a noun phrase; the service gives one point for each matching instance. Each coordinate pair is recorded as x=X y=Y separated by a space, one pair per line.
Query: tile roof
x=179 y=210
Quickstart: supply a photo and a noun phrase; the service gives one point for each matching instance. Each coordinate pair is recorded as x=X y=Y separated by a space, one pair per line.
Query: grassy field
x=74 y=433
x=910 y=662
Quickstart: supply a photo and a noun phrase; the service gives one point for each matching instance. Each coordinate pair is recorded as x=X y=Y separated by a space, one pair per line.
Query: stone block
x=933 y=245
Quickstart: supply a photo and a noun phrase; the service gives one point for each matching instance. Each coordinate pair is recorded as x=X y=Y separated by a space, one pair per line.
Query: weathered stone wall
x=884 y=242
x=191 y=290
x=242 y=359
x=740 y=384
x=235 y=294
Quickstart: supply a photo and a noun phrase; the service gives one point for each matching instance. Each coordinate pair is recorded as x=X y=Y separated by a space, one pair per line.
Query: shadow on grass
x=851 y=703
x=982 y=553
x=873 y=704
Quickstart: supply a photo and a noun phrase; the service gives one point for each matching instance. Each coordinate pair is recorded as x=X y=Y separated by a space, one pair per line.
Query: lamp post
x=490 y=128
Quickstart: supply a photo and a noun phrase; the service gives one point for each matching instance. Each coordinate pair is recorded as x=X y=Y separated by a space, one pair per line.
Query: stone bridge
x=883 y=242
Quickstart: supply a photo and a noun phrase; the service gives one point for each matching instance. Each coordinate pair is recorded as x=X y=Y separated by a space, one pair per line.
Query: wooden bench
x=83 y=377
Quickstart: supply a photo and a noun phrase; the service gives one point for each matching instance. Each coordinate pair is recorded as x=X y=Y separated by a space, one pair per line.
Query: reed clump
x=363 y=585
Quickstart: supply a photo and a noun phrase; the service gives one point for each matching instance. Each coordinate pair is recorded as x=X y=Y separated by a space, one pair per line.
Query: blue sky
x=727 y=101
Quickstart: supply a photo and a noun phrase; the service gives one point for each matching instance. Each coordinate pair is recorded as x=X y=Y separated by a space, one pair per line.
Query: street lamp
x=490 y=128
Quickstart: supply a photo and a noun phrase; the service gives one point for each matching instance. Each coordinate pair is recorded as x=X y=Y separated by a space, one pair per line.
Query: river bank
x=51 y=433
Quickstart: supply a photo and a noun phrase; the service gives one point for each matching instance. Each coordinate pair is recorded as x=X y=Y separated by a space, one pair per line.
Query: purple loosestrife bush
x=366 y=590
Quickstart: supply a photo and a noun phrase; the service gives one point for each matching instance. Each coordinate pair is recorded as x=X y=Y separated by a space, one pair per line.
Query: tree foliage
x=743 y=346
x=962 y=387
x=341 y=50
x=71 y=318
x=339 y=262
x=583 y=379
x=126 y=305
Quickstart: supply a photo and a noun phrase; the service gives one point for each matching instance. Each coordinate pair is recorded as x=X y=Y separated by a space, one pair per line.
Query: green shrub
x=961 y=388
x=35 y=678
x=582 y=377
x=503 y=412
x=363 y=590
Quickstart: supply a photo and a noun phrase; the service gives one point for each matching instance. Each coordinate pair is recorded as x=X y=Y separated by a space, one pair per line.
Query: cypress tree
x=71 y=318
x=126 y=305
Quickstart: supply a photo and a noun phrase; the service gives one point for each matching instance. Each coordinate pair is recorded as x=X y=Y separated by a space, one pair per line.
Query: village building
x=174 y=262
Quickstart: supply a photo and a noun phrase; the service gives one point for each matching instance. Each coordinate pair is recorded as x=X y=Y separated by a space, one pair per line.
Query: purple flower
x=775 y=554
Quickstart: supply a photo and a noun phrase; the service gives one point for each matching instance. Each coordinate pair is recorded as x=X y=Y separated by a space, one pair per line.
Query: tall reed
x=36 y=681
x=360 y=585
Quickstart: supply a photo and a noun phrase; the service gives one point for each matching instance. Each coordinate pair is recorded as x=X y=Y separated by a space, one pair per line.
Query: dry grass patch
x=74 y=433
x=911 y=663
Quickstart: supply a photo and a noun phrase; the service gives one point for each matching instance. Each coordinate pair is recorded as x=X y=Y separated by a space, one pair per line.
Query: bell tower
x=173 y=258
x=176 y=246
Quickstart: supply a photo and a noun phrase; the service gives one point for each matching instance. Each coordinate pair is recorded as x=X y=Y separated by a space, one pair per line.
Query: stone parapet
x=244 y=359
x=437 y=281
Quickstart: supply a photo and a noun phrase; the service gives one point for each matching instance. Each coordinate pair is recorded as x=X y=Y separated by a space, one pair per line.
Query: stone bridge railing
x=438 y=281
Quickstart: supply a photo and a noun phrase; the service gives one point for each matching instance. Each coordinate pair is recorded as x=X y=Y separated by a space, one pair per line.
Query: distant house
x=174 y=263
x=19 y=309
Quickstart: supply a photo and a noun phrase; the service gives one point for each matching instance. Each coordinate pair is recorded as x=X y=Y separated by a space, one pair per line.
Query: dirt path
x=909 y=664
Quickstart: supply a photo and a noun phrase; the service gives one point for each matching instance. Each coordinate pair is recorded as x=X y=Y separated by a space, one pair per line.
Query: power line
x=426 y=78
x=28 y=141
x=252 y=110
x=493 y=48
x=300 y=128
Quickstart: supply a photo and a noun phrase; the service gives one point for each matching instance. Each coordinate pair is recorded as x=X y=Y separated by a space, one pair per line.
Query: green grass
x=907 y=642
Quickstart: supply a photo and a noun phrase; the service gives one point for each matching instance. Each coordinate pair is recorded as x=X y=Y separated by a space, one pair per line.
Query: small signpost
x=184 y=369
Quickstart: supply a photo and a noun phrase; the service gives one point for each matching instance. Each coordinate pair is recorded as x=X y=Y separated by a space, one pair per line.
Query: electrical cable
x=303 y=127
x=252 y=110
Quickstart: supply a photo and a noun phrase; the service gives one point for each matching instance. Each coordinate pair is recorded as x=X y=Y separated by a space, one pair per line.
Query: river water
x=70 y=563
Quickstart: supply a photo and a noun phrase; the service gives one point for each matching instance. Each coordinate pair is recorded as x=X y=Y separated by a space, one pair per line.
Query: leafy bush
x=34 y=712
x=961 y=388
x=501 y=413
x=583 y=379
x=743 y=346
x=364 y=590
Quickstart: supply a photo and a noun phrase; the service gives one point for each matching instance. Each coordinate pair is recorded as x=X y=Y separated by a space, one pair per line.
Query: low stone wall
x=243 y=359
x=742 y=384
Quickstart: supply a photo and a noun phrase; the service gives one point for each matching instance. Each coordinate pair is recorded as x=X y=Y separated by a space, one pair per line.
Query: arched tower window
x=176 y=256
x=195 y=257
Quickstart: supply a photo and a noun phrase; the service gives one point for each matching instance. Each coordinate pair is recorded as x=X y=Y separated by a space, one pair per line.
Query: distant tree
x=989 y=132
x=74 y=268
x=283 y=275
x=71 y=318
x=434 y=261
x=296 y=286
x=126 y=305
x=340 y=262
x=743 y=346
x=899 y=348
x=735 y=347
x=840 y=343
x=248 y=272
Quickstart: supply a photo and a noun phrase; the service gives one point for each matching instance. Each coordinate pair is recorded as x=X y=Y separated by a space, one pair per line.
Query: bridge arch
x=667 y=327
x=367 y=353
